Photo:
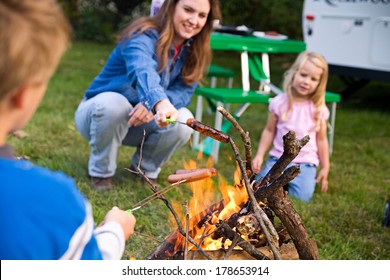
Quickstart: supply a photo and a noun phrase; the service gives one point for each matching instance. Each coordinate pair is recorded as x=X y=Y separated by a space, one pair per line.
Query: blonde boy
x=42 y=213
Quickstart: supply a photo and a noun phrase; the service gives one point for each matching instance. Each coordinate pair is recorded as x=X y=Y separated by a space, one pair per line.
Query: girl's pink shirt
x=300 y=120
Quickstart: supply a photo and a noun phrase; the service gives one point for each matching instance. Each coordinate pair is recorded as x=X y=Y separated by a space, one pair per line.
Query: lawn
x=346 y=222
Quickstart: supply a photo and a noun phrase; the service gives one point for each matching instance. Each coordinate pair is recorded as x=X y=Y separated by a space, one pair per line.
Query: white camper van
x=353 y=36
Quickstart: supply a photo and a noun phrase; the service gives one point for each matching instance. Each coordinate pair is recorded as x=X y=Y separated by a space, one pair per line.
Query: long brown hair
x=199 y=52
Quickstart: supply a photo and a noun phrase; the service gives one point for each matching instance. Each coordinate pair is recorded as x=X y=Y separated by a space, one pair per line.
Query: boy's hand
x=124 y=218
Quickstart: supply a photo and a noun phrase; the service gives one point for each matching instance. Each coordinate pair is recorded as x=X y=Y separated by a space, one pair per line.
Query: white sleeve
x=111 y=240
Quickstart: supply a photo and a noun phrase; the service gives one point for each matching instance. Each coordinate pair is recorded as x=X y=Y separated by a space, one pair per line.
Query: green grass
x=346 y=222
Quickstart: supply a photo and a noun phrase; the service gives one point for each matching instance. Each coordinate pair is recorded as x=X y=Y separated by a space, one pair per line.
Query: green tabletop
x=228 y=42
x=237 y=95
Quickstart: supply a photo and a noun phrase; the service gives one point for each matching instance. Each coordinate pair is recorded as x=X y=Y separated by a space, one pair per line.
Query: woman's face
x=189 y=17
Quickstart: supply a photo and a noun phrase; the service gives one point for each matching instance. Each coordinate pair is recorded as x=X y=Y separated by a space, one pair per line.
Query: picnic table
x=254 y=58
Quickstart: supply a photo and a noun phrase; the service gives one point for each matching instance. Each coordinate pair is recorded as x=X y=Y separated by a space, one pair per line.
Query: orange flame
x=205 y=194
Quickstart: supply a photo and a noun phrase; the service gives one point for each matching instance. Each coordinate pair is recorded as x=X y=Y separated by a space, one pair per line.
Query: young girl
x=300 y=109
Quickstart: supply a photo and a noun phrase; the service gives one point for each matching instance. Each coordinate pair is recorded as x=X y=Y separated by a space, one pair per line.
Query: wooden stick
x=244 y=136
x=278 y=200
x=265 y=224
x=288 y=175
x=187 y=235
x=231 y=247
x=292 y=147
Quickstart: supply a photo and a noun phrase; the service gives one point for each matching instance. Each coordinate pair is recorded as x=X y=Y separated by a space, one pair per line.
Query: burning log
x=248 y=225
x=167 y=248
x=232 y=235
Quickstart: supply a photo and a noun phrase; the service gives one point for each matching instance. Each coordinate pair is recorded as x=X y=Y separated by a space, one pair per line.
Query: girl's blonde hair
x=33 y=36
x=199 y=56
x=318 y=96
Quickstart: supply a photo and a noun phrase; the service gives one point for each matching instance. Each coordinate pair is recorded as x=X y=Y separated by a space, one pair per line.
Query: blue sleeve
x=141 y=64
x=180 y=94
x=44 y=214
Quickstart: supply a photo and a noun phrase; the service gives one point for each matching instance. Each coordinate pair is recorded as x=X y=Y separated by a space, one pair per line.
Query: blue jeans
x=102 y=120
x=303 y=185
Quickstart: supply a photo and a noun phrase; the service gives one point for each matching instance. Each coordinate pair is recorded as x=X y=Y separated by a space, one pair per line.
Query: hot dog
x=208 y=130
x=187 y=171
x=192 y=175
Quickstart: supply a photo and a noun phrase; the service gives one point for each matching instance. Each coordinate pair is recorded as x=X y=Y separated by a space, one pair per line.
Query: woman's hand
x=164 y=109
x=140 y=115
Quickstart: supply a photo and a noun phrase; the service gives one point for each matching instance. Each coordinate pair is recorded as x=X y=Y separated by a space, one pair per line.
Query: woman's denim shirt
x=131 y=70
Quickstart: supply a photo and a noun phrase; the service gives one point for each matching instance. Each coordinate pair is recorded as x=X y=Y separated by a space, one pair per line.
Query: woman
x=150 y=75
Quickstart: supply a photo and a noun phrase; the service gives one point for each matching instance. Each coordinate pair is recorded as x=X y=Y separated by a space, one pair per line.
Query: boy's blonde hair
x=33 y=36
x=200 y=53
x=318 y=96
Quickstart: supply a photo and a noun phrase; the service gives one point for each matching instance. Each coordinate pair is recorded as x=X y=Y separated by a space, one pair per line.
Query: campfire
x=203 y=223
x=252 y=220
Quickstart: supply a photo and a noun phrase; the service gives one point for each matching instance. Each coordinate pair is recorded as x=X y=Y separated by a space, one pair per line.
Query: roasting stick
x=154 y=196
x=181 y=176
